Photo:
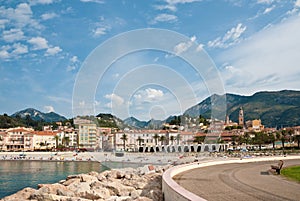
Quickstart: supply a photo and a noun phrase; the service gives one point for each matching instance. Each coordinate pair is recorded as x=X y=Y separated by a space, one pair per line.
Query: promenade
x=240 y=181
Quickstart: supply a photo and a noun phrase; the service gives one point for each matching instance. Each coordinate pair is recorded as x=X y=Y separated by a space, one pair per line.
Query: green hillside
x=275 y=109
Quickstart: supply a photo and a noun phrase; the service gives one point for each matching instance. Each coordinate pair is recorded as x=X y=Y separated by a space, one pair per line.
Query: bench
x=277 y=168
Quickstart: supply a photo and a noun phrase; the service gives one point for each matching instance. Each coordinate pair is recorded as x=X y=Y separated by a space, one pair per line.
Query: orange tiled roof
x=53 y=133
x=18 y=130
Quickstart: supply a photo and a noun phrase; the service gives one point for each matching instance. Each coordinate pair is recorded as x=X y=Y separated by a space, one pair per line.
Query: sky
x=57 y=55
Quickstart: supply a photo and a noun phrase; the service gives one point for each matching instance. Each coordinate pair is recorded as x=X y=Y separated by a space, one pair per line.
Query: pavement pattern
x=243 y=181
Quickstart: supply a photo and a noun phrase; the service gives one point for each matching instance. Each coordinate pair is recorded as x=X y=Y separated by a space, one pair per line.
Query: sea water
x=16 y=175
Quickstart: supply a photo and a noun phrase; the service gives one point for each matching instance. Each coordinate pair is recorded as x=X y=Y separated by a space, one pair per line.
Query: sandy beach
x=143 y=158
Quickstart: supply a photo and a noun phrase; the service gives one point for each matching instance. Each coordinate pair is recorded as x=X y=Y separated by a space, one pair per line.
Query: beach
x=128 y=157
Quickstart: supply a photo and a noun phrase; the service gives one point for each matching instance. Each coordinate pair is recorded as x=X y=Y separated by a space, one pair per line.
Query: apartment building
x=87 y=136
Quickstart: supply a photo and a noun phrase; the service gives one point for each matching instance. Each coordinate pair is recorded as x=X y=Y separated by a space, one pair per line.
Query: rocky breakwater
x=128 y=184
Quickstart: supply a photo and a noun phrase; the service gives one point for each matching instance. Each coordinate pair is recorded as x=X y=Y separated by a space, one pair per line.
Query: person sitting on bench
x=277 y=168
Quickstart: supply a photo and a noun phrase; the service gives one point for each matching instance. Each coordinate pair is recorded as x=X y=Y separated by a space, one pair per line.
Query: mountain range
x=275 y=109
x=37 y=115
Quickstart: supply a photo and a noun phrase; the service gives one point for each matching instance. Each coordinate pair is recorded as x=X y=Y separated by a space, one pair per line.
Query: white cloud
x=19 y=49
x=174 y=2
x=73 y=63
x=92 y=1
x=3 y=22
x=171 y=4
x=48 y=16
x=269 y=60
x=165 y=18
x=53 y=50
x=116 y=76
x=269 y=9
x=166 y=7
x=200 y=47
x=19 y=17
x=49 y=108
x=115 y=100
x=100 y=31
x=4 y=54
x=184 y=46
x=230 y=38
x=35 y=2
x=38 y=43
x=13 y=35
x=265 y=1
x=148 y=95
x=297 y=3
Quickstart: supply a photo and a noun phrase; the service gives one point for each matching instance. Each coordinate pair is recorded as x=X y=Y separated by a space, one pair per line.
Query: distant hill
x=151 y=124
x=135 y=123
x=275 y=109
x=37 y=115
x=111 y=121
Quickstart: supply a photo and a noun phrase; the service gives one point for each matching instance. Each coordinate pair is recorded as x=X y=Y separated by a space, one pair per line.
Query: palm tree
x=172 y=138
x=178 y=138
x=282 y=138
x=56 y=137
x=272 y=139
x=297 y=138
x=140 y=140
x=259 y=139
x=124 y=138
x=199 y=139
x=233 y=139
x=66 y=141
x=156 y=137
x=162 y=139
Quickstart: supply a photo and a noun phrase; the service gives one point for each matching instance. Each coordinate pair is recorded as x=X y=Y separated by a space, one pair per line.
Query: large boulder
x=23 y=194
x=118 y=189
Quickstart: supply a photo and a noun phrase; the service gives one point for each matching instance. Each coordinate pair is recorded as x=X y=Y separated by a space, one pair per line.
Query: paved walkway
x=245 y=181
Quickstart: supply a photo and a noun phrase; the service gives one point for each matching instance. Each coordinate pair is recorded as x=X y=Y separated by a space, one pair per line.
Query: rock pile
x=141 y=184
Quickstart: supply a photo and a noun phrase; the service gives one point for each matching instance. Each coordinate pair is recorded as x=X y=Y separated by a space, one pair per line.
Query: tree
x=66 y=141
x=272 y=139
x=297 y=138
x=162 y=139
x=259 y=139
x=172 y=138
x=178 y=138
x=140 y=140
x=246 y=138
x=233 y=139
x=56 y=137
x=124 y=138
x=199 y=139
x=156 y=137
x=283 y=138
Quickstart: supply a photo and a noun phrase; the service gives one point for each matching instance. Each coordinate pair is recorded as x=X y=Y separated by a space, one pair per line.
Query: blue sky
x=44 y=44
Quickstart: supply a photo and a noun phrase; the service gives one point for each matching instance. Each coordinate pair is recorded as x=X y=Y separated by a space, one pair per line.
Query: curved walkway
x=240 y=181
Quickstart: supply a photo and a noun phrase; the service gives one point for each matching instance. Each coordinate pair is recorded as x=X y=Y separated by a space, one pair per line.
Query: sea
x=18 y=174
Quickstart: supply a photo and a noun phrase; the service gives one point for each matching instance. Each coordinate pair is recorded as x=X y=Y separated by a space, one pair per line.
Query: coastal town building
x=87 y=136
x=254 y=125
x=18 y=139
x=45 y=140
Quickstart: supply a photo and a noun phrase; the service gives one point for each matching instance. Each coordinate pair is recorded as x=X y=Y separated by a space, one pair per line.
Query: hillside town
x=88 y=136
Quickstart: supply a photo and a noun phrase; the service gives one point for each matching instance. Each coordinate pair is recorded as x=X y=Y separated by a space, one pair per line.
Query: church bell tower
x=241 y=117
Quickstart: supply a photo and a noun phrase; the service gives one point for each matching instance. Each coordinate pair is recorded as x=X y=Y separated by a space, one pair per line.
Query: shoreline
x=134 y=158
